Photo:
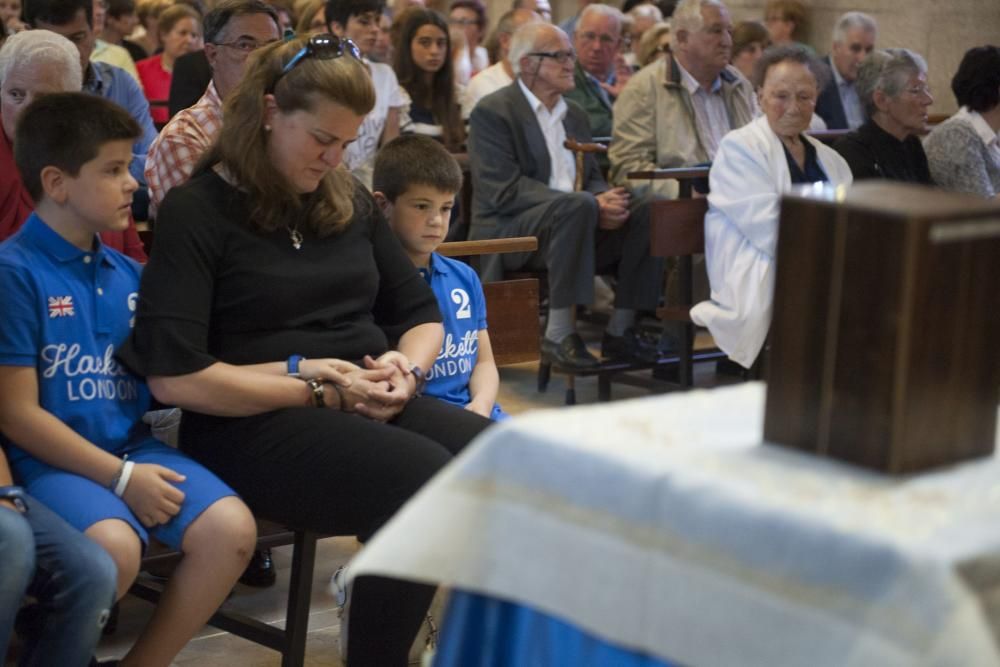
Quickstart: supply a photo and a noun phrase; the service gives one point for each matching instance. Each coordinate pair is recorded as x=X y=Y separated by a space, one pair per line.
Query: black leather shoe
x=260 y=570
x=571 y=353
x=631 y=346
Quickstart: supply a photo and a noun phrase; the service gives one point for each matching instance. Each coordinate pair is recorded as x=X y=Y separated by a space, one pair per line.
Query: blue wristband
x=293 y=365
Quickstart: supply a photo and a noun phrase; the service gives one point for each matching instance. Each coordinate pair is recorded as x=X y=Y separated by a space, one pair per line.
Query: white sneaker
x=342 y=595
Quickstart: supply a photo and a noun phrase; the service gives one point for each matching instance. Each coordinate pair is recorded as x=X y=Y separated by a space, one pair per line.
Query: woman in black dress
x=281 y=314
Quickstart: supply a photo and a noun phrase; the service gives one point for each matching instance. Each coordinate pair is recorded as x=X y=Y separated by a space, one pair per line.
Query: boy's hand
x=10 y=504
x=150 y=494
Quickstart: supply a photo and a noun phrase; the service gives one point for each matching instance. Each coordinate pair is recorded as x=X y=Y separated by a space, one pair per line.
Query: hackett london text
x=456 y=358
x=67 y=361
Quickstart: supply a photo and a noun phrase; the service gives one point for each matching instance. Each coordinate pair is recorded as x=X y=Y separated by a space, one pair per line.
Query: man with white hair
x=674 y=112
x=523 y=185
x=853 y=39
x=597 y=76
x=34 y=63
x=31 y=63
x=500 y=73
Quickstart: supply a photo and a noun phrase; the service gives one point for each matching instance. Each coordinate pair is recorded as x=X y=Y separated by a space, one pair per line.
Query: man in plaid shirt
x=233 y=30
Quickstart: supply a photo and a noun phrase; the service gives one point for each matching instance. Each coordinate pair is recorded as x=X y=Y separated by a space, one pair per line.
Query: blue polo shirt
x=463 y=311
x=64 y=311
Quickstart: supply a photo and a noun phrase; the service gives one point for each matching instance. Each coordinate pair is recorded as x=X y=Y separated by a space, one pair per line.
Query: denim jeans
x=71 y=578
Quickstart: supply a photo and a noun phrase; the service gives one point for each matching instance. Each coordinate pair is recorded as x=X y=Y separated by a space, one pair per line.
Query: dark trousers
x=340 y=474
x=572 y=250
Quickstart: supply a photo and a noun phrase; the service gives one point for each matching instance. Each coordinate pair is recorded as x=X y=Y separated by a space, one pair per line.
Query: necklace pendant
x=296 y=238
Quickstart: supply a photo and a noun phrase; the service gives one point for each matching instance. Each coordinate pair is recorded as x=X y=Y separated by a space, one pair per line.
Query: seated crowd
x=326 y=359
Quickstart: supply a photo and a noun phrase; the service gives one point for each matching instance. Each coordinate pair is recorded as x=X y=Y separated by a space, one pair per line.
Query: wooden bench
x=290 y=641
x=677 y=230
x=511 y=305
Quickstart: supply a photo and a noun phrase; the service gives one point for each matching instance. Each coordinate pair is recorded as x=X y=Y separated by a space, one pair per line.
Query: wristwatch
x=318 y=397
x=293 y=365
x=421 y=379
x=15 y=494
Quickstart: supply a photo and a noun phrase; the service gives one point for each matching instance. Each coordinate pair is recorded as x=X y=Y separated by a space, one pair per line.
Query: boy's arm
x=485 y=380
x=149 y=493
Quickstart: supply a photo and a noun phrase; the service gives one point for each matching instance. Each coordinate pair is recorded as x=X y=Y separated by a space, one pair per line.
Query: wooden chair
x=289 y=641
x=512 y=305
x=677 y=230
x=607 y=369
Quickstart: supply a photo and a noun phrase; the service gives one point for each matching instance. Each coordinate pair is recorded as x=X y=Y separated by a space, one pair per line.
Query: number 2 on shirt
x=461 y=298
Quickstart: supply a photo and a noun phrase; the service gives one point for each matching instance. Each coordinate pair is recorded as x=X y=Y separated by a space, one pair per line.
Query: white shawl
x=748 y=176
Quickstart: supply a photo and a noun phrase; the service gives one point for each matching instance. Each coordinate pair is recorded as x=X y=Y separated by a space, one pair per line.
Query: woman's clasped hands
x=378 y=391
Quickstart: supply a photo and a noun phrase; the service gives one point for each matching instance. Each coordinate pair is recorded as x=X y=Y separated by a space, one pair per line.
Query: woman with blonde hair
x=280 y=312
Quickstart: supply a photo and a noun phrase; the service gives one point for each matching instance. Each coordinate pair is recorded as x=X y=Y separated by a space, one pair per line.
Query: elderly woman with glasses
x=892 y=86
x=754 y=166
x=282 y=315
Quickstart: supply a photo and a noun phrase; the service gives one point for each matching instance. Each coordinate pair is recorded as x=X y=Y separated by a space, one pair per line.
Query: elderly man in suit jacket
x=853 y=40
x=523 y=185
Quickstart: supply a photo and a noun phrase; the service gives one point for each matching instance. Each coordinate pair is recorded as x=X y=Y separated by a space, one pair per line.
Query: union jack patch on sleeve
x=61 y=306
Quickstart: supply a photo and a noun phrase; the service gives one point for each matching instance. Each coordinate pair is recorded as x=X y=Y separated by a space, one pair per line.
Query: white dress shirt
x=563 y=172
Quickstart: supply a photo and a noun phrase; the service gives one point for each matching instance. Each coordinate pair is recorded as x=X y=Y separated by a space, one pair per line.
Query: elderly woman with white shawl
x=754 y=166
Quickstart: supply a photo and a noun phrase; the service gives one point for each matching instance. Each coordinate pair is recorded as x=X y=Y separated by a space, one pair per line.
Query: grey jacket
x=960 y=161
x=510 y=161
x=654 y=124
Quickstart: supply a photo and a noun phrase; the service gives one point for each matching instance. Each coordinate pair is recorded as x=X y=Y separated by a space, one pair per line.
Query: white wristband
x=123 y=480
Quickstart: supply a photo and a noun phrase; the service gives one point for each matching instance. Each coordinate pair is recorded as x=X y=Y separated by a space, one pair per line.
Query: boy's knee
x=120 y=541
x=227 y=523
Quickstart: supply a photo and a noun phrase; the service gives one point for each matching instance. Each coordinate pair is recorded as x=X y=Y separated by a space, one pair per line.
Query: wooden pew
x=289 y=641
x=677 y=230
x=511 y=305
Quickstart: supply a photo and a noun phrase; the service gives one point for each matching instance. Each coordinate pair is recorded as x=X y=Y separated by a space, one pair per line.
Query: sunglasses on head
x=321 y=47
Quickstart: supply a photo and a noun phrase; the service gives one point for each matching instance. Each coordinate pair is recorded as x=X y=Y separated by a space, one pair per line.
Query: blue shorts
x=83 y=502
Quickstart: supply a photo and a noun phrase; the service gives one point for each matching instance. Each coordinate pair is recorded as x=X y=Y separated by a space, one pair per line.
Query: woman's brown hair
x=241 y=147
x=173 y=15
x=439 y=97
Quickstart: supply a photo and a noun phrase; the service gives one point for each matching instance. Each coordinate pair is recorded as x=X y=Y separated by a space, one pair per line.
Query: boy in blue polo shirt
x=70 y=414
x=415 y=183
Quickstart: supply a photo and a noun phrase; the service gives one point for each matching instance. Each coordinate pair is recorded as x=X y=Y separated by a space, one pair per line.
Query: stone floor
x=214 y=648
